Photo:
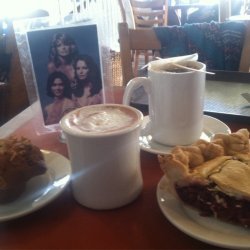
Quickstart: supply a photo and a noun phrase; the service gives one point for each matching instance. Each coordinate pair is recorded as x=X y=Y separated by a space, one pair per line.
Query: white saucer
x=206 y=229
x=40 y=190
x=211 y=127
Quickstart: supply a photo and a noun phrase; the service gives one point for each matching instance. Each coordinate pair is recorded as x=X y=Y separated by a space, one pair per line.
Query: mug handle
x=134 y=84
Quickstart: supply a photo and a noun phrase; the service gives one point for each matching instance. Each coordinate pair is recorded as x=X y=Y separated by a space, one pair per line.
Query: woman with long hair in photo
x=58 y=88
x=63 y=51
x=87 y=88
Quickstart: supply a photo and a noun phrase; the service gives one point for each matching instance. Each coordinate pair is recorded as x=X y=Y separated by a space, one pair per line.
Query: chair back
x=127 y=13
x=245 y=54
x=134 y=40
x=149 y=13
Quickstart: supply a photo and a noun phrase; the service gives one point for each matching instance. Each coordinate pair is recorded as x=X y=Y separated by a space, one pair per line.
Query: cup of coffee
x=176 y=100
x=103 y=145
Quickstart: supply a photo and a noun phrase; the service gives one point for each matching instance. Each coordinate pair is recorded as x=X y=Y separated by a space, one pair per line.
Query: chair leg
x=136 y=59
x=136 y=62
x=146 y=56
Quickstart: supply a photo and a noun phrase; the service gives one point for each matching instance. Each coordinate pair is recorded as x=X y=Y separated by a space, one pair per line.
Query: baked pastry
x=213 y=177
x=20 y=160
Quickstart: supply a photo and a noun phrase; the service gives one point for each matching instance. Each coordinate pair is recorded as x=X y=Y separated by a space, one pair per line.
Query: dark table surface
x=64 y=224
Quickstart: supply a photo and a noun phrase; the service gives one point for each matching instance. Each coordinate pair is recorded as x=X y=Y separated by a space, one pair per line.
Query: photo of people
x=67 y=68
x=63 y=51
x=87 y=87
x=58 y=88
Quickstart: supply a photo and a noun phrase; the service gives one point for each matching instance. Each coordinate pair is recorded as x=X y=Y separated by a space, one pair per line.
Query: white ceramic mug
x=103 y=145
x=176 y=100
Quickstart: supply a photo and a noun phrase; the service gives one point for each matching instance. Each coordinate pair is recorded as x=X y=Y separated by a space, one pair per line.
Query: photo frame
x=67 y=69
x=106 y=46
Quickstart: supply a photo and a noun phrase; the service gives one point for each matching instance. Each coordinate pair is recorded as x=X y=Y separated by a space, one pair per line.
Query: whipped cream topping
x=104 y=119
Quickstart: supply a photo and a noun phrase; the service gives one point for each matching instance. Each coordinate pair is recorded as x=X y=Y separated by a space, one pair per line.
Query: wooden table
x=64 y=224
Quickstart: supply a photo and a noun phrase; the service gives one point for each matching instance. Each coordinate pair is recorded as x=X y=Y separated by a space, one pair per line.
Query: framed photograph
x=67 y=68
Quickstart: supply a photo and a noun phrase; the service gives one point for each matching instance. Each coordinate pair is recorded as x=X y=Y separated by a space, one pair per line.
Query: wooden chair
x=245 y=54
x=127 y=13
x=14 y=95
x=134 y=40
x=144 y=14
x=146 y=39
x=150 y=13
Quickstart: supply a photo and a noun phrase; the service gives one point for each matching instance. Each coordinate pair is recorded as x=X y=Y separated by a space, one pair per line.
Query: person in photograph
x=87 y=87
x=63 y=51
x=58 y=88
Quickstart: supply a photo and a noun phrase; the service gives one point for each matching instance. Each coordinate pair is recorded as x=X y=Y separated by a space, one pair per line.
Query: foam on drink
x=100 y=119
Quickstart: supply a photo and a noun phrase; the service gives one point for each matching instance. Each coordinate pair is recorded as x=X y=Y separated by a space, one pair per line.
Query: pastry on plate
x=213 y=177
x=20 y=160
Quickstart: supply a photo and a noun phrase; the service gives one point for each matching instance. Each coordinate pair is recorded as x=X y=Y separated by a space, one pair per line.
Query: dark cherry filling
x=211 y=202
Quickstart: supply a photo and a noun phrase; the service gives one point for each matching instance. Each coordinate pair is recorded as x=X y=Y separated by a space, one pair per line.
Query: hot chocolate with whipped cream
x=104 y=150
x=100 y=119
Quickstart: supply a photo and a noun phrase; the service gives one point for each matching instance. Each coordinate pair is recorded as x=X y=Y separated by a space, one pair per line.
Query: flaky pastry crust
x=224 y=160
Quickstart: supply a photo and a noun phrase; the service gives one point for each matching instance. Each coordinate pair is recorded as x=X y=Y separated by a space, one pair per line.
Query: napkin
x=163 y=61
x=177 y=59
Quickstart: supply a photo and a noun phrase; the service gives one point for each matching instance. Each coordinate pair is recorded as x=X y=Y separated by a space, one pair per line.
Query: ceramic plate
x=206 y=229
x=40 y=190
x=211 y=127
